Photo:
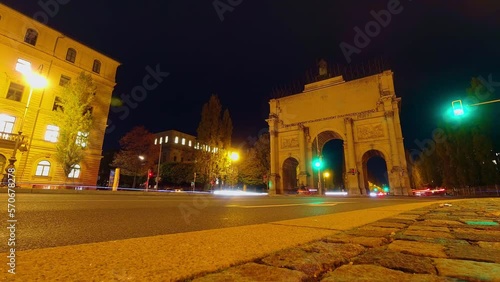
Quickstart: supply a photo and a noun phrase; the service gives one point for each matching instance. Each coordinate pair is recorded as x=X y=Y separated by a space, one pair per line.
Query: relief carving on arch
x=289 y=142
x=370 y=131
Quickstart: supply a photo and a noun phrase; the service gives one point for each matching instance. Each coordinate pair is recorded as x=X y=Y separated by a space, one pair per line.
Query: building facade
x=25 y=109
x=176 y=146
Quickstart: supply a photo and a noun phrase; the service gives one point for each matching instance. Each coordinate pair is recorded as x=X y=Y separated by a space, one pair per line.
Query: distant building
x=176 y=146
x=59 y=59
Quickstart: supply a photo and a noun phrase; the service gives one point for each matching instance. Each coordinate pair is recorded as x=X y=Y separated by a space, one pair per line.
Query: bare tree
x=138 y=153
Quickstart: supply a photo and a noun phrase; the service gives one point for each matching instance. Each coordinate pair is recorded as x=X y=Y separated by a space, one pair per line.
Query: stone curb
x=455 y=241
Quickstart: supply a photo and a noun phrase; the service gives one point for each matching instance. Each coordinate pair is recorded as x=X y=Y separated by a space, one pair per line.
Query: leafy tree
x=137 y=142
x=214 y=135
x=249 y=171
x=74 y=119
x=465 y=158
x=481 y=132
x=177 y=173
x=263 y=148
x=257 y=162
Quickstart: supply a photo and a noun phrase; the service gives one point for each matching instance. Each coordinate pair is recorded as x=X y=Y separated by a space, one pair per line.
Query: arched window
x=31 y=36
x=97 y=66
x=75 y=172
x=71 y=55
x=43 y=168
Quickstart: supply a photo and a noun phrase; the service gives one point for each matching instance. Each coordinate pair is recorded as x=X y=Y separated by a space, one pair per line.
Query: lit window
x=71 y=55
x=81 y=138
x=52 y=133
x=166 y=139
x=64 y=80
x=6 y=125
x=176 y=140
x=31 y=36
x=15 y=92
x=189 y=144
x=183 y=141
x=75 y=172
x=43 y=168
x=97 y=66
x=156 y=141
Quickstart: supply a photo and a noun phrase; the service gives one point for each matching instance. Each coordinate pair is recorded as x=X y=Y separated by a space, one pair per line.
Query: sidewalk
x=453 y=241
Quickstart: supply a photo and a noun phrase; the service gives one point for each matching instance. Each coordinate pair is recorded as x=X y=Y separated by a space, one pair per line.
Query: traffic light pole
x=458 y=110
x=147 y=180
x=488 y=102
x=319 y=167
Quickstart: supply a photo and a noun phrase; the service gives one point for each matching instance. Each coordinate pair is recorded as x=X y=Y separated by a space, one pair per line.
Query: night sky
x=433 y=47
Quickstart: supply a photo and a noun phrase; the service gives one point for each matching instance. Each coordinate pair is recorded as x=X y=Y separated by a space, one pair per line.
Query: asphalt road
x=49 y=220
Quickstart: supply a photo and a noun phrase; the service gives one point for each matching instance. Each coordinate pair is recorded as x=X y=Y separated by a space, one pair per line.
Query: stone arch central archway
x=323 y=137
x=317 y=153
x=363 y=113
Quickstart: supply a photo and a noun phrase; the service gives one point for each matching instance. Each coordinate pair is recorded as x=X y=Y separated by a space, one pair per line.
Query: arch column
x=352 y=178
x=303 y=156
x=395 y=166
x=274 y=177
x=363 y=178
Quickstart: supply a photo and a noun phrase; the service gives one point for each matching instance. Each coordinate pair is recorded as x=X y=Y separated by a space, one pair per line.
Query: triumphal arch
x=363 y=113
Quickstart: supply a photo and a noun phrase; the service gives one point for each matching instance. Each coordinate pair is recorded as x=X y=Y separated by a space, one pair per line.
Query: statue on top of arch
x=323 y=69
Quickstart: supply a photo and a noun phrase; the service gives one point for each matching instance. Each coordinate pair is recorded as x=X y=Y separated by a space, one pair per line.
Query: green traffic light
x=317 y=163
x=458 y=108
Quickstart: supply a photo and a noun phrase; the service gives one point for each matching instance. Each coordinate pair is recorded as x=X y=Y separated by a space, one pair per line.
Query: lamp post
x=159 y=162
x=318 y=163
x=325 y=176
x=233 y=157
x=35 y=81
x=135 y=175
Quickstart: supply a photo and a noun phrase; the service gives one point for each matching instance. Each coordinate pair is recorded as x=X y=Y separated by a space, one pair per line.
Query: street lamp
x=233 y=157
x=159 y=161
x=325 y=176
x=35 y=81
x=135 y=174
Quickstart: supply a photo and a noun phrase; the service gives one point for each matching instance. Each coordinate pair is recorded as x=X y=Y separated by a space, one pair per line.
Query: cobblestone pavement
x=456 y=241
